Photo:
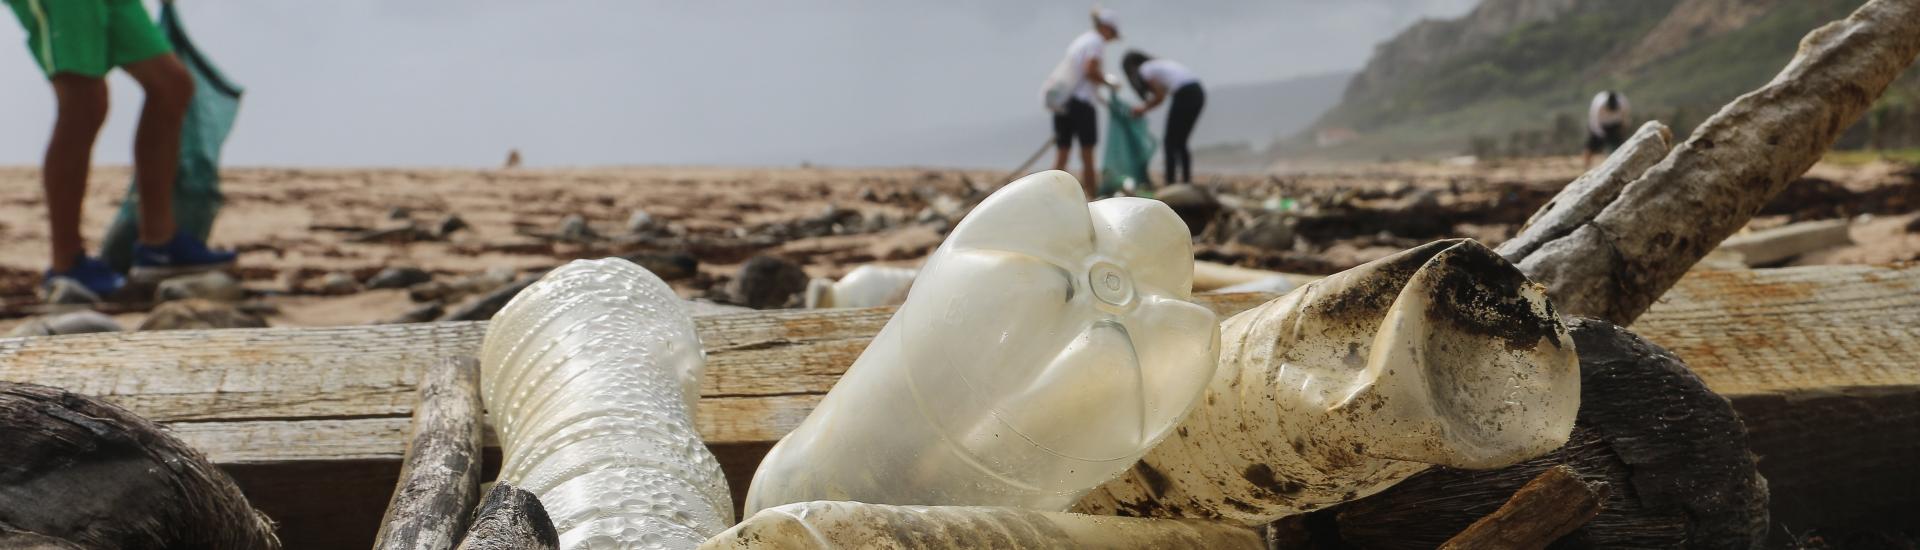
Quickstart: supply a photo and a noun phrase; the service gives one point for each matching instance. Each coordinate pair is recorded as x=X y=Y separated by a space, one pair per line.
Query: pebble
x=195 y=313
x=213 y=285
x=73 y=322
x=339 y=283
x=641 y=222
x=767 y=282
x=448 y=225
x=399 y=277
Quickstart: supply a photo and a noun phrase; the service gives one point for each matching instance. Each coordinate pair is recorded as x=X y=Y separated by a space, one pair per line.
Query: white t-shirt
x=1168 y=73
x=1598 y=117
x=1087 y=46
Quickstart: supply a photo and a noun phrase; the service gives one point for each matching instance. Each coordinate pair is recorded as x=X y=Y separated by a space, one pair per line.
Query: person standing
x=75 y=43
x=1156 y=80
x=1607 y=119
x=1075 y=120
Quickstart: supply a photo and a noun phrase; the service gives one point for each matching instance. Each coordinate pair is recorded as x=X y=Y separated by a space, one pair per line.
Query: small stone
x=641 y=222
x=669 y=266
x=448 y=225
x=73 y=322
x=574 y=228
x=421 y=314
x=767 y=282
x=69 y=291
x=213 y=285
x=484 y=306
x=199 y=314
x=1273 y=231
x=1194 y=205
x=867 y=194
x=399 y=213
x=339 y=283
x=399 y=277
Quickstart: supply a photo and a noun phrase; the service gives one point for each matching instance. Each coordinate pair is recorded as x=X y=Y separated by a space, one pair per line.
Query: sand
x=292 y=225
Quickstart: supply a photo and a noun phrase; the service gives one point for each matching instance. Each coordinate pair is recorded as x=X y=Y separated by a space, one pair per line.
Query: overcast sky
x=596 y=82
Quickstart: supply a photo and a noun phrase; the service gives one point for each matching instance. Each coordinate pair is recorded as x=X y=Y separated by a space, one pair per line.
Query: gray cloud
x=458 y=82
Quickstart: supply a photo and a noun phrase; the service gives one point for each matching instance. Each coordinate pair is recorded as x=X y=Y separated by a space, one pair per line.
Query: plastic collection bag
x=196 y=185
x=1129 y=151
x=590 y=377
x=1044 y=347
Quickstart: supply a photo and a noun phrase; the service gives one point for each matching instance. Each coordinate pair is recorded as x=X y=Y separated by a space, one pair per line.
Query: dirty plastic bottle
x=865 y=286
x=1444 y=354
x=1044 y=347
x=590 y=377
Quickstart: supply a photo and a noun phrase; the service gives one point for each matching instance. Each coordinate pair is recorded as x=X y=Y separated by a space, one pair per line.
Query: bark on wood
x=1822 y=362
x=440 y=476
x=1673 y=451
x=96 y=476
x=510 y=519
x=1542 y=511
x=1615 y=263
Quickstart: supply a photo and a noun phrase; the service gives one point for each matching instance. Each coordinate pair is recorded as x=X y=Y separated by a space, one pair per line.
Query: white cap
x=1106 y=17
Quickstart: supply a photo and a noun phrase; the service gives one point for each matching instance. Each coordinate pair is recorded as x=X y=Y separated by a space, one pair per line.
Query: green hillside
x=1527 y=93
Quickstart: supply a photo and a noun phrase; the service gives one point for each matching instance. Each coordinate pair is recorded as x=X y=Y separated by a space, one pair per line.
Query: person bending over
x=1156 y=80
x=1607 y=120
x=76 y=42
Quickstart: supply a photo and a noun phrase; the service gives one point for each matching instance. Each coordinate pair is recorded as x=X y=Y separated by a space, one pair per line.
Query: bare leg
x=1060 y=158
x=82 y=109
x=156 y=144
x=1089 y=181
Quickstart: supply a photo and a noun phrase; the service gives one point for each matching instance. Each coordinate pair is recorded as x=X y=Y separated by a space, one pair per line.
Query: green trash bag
x=1130 y=147
x=196 y=187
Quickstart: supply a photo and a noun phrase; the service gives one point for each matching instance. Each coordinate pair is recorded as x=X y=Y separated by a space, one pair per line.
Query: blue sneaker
x=94 y=275
x=184 y=255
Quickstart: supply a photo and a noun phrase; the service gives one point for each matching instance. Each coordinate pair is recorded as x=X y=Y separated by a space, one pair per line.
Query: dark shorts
x=1615 y=136
x=1077 y=123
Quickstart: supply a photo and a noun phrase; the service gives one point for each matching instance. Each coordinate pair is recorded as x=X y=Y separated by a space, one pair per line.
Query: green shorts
x=88 y=37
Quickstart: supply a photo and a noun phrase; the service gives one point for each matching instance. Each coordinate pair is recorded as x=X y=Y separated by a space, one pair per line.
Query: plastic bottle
x=1044 y=347
x=854 y=525
x=865 y=286
x=1443 y=354
x=590 y=376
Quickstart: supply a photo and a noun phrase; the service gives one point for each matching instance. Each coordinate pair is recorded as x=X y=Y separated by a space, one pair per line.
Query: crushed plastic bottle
x=590 y=377
x=854 y=525
x=865 y=286
x=1044 y=347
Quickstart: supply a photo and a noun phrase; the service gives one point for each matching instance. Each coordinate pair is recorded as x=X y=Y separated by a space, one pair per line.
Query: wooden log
x=1773 y=246
x=510 y=519
x=1542 y=511
x=1829 y=355
x=1614 y=264
x=97 y=476
x=1676 y=452
x=440 y=475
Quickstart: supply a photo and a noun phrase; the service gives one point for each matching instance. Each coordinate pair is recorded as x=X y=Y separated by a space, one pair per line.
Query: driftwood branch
x=1542 y=511
x=440 y=477
x=90 y=474
x=511 y=519
x=1610 y=254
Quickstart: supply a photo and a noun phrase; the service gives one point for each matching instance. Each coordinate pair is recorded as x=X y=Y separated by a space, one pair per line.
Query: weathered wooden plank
x=276 y=405
x=1542 y=511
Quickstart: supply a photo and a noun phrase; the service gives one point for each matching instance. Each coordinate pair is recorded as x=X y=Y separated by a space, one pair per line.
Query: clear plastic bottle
x=1044 y=347
x=826 y=525
x=590 y=377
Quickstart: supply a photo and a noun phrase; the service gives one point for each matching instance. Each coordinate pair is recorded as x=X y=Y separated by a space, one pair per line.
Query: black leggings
x=1181 y=117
